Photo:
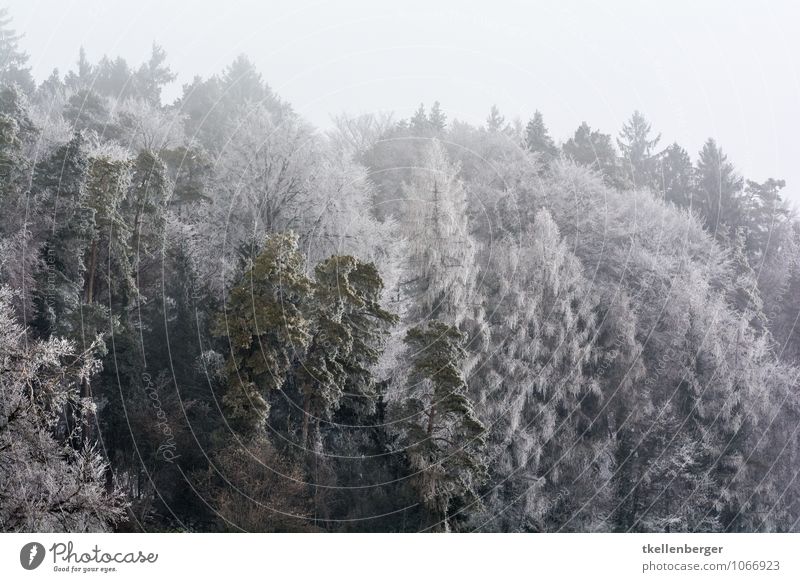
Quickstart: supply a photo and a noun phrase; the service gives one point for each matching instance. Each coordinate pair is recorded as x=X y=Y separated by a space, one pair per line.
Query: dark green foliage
x=265 y=328
x=441 y=434
x=348 y=324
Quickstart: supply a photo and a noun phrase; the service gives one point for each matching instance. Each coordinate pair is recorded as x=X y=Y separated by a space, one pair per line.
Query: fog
x=722 y=69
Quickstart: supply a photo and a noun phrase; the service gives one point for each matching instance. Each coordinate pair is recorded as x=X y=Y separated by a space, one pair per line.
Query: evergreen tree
x=82 y=78
x=537 y=138
x=437 y=118
x=440 y=432
x=244 y=84
x=13 y=62
x=113 y=78
x=153 y=75
x=61 y=180
x=441 y=251
x=20 y=233
x=144 y=207
x=638 y=149
x=674 y=176
x=594 y=149
x=347 y=326
x=495 y=123
x=108 y=255
x=419 y=122
x=765 y=214
x=266 y=330
x=718 y=191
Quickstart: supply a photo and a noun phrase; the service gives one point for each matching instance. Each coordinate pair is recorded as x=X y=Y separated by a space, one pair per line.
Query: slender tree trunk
x=431 y=417
x=136 y=237
x=87 y=416
x=430 y=517
x=90 y=275
x=306 y=414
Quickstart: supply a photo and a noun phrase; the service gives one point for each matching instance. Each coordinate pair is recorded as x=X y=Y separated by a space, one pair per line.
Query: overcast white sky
x=695 y=69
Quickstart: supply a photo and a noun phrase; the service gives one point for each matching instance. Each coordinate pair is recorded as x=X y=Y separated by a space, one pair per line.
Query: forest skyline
x=735 y=80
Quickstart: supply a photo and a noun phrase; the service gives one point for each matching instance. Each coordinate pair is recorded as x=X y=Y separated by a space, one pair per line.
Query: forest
x=215 y=317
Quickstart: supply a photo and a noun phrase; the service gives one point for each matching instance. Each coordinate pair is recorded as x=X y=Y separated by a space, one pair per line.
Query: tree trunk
x=90 y=275
x=306 y=414
x=431 y=416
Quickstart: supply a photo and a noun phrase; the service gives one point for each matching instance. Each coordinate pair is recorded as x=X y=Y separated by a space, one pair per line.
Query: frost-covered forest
x=216 y=317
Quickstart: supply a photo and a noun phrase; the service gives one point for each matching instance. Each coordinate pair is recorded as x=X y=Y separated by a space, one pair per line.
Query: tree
x=83 y=78
x=266 y=329
x=88 y=110
x=20 y=233
x=765 y=214
x=419 y=122
x=537 y=138
x=145 y=126
x=718 y=191
x=674 y=176
x=114 y=79
x=495 y=122
x=437 y=118
x=534 y=387
x=253 y=488
x=244 y=84
x=151 y=77
x=638 y=151
x=190 y=171
x=214 y=107
x=440 y=432
x=13 y=62
x=61 y=180
x=594 y=149
x=264 y=174
x=107 y=184
x=347 y=327
x=441 y=251
x=49 y=485
x=144 y=207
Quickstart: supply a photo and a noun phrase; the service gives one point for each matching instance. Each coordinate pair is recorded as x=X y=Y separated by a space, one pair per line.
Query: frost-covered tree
x=107 y=184
x=536 y=394
x=441 y=253
x=53 y=478
x=69 y=226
